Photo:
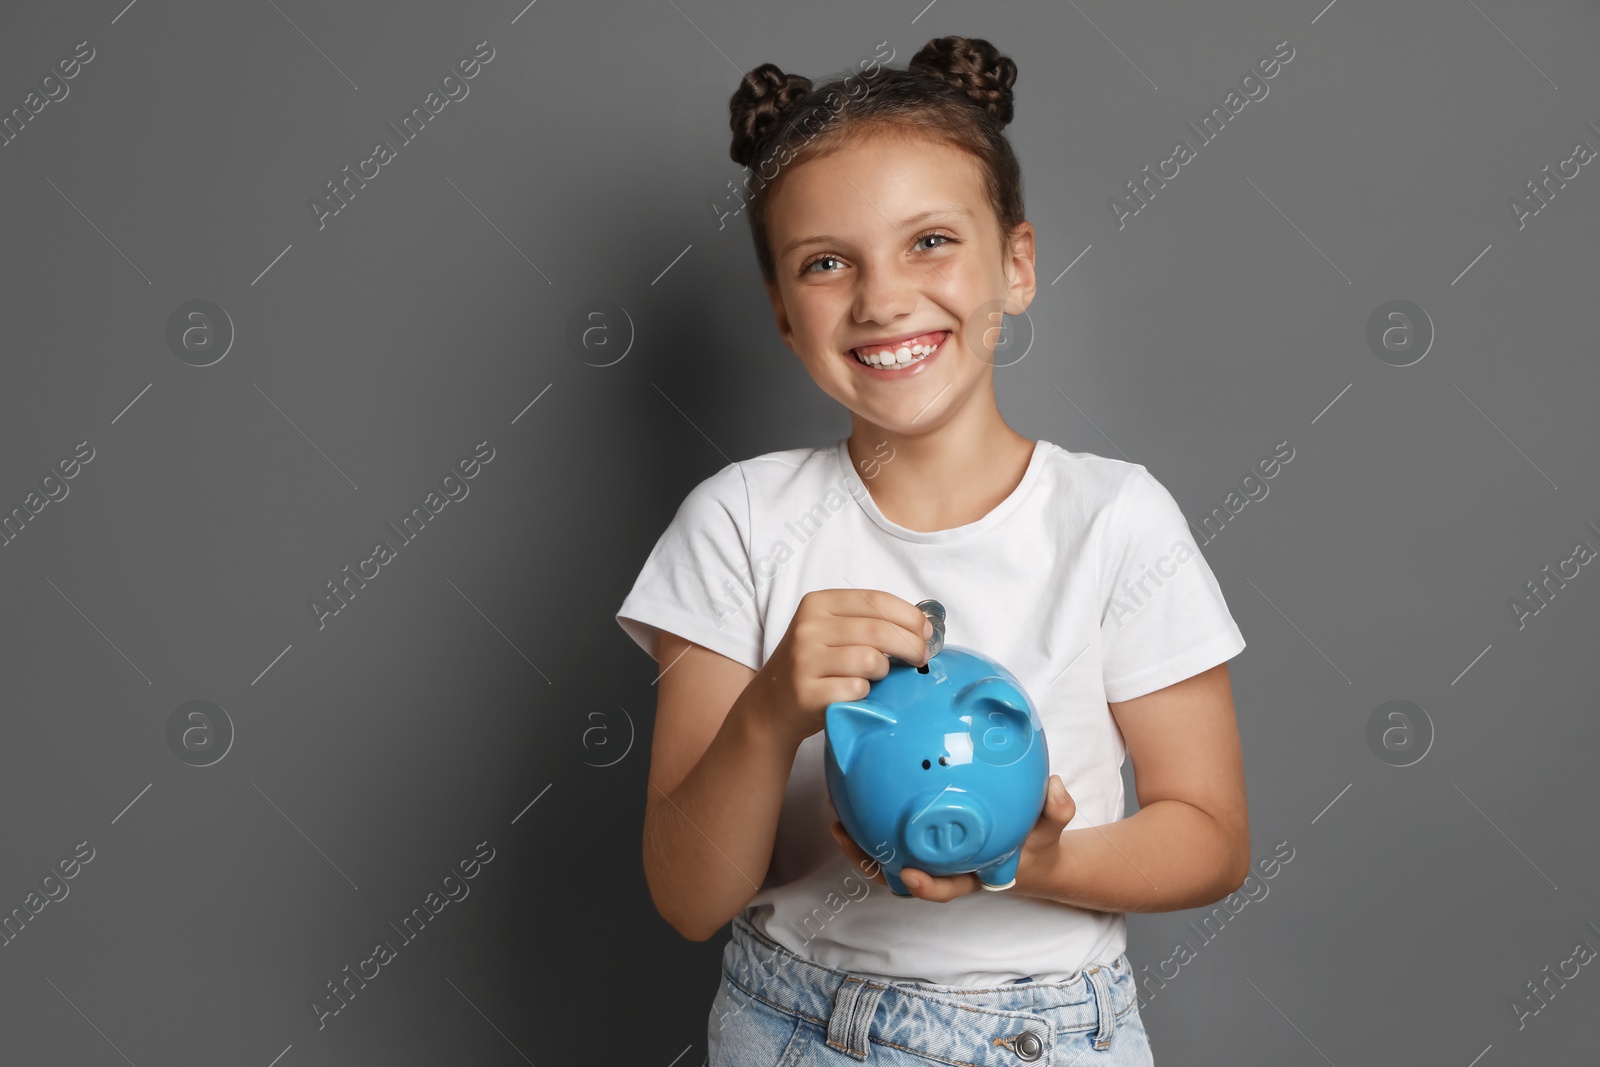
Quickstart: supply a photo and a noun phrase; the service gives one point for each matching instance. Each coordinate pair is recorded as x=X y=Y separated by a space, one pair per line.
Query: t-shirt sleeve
x=1164 y=616
x=697 y=581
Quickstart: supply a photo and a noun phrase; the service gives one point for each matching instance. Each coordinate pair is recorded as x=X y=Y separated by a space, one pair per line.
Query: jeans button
x=1029 y=1047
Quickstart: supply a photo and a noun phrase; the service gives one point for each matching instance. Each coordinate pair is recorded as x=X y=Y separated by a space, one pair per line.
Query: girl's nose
x=884 y=295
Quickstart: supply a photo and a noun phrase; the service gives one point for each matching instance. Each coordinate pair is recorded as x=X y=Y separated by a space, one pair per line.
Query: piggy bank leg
x=896 y=886
x=1002 y=875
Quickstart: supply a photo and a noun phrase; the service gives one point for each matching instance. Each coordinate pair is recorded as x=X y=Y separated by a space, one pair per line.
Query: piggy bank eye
x=942 y=761
x=925 y=764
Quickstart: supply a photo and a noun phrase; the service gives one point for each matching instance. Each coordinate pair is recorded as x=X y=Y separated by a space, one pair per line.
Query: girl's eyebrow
x=952 y=212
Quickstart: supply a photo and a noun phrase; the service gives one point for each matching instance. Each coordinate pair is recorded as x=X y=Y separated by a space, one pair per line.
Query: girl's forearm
x=708 y=844
x=1165 y=857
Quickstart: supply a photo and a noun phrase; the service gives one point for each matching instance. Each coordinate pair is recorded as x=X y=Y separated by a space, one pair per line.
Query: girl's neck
x=941 y=480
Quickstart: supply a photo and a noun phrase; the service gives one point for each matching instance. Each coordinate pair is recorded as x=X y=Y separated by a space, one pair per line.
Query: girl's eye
x=930 y=236
x=820 y=259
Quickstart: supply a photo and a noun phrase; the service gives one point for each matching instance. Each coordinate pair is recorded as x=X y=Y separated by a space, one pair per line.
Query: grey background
x=482 y=672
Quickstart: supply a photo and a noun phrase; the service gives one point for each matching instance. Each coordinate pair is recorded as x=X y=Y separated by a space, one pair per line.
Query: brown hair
x=955 y=89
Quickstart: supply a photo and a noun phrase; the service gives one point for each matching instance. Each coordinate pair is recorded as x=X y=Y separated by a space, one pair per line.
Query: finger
x=879 y=604
x=882 y=635
x=903 y=616
x=1059 y=807
x=861 y=660
x=925 y=886
x=852 y=852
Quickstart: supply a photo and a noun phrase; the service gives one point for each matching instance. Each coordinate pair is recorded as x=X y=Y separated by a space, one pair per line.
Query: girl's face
x=893 y=243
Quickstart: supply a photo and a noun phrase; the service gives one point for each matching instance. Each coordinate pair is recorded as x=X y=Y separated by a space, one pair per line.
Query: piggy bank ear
x=848 y=723
x=1002 y=729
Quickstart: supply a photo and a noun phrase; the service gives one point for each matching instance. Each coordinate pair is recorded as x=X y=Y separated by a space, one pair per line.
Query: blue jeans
x=775 y=1009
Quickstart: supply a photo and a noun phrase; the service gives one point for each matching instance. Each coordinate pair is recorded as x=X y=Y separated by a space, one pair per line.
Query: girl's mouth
x=901 y=359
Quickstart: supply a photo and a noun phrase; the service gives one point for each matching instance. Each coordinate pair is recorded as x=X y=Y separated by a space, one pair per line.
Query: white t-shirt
x=1084 y=582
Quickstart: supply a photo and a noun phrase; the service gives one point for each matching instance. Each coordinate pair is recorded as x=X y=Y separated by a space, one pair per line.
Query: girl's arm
x=719 y=766
x=726 y=738
x=1189 y=842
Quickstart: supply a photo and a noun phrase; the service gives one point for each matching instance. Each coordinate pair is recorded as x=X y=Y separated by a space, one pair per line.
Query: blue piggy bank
x=943 y=771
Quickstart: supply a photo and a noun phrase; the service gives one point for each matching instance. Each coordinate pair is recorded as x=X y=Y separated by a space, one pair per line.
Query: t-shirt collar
x=954 y=534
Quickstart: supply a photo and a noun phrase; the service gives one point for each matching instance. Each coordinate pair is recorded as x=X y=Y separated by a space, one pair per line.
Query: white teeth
x=900 y=357
x=893 y=359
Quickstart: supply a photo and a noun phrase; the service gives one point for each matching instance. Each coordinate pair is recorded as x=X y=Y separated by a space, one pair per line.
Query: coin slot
x=922 y=669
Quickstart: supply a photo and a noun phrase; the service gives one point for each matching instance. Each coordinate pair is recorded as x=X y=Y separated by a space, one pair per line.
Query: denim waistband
x=967 y=1025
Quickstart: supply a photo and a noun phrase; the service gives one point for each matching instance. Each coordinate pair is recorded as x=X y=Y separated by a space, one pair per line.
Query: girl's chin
x=912 y=409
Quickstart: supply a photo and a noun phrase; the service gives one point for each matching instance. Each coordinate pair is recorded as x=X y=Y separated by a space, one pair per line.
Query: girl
x=889 y=228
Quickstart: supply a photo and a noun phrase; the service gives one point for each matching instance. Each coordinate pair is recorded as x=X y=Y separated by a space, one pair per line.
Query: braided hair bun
x=973 y=67
x=758 y=106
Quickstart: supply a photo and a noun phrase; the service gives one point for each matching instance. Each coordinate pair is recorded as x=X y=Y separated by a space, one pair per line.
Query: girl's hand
x=837 y=644
x=1037 y=851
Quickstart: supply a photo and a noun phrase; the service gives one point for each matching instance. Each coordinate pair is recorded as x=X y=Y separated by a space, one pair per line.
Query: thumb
x=1059 y=806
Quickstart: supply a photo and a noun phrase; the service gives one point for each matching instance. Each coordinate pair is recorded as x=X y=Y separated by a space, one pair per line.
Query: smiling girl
x=889 y=239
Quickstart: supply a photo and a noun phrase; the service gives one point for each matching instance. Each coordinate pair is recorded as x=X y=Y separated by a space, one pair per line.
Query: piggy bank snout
x=947 y=830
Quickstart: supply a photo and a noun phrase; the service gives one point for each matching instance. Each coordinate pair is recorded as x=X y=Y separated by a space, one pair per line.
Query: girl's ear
x=1020 y=266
